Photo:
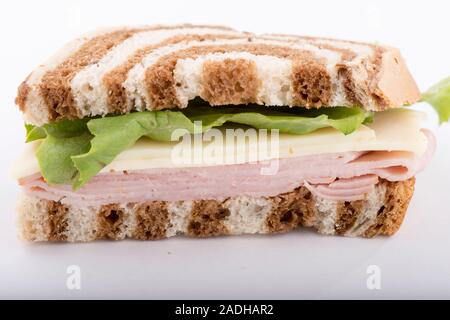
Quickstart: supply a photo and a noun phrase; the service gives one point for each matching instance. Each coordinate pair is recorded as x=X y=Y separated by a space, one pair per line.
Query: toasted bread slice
x=163 y=67
x=381 y=213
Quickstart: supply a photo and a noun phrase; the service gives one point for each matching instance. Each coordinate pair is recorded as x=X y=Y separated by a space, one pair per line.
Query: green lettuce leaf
x=75 y=151
x=55 y=157
x=62 y=140
x=34 y=133
x=343 y=119
x=438 y=96
x=112 y=135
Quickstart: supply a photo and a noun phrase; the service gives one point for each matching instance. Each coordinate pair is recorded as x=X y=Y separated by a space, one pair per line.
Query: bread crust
x=381 y=213
x=322 y=73
x=393 y=84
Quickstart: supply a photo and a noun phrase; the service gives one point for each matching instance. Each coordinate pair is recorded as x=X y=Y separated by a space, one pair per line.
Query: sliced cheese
x=391 y=130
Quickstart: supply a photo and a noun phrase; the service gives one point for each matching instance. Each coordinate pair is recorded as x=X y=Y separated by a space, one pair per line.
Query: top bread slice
x=161 y=67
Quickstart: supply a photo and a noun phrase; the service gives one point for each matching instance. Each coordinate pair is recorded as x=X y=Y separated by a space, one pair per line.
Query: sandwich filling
x=331 y=164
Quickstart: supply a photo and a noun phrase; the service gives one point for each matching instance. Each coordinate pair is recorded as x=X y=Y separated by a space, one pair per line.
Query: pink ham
x=344 y=176
x=348 y=189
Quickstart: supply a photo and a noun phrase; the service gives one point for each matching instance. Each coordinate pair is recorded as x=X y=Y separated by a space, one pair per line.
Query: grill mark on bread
x=35 y=77
x=346 y=54
x=311 y=83
x=292 y=210
x=56 y=221
x=287 y=212
x=152 y=220
x=22 y=95
x=94 y=102
x=307 y=207
x=159 y=79
x=329 y=43
x=372 y=64
x=347 y=214
x=114 y=79
x=26 y=87
x=110 y=222
x=390 y=216
x=55 y=84
x=206 y=219
x=373 y=71
x=232 y=81
x=344 y=71
x=346 y=77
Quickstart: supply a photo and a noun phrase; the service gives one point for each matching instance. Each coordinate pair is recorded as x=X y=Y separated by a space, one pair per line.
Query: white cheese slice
x=391 y=130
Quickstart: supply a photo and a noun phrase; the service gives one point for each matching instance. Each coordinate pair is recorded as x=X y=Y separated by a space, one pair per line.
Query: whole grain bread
x=381 y=213
x=161 y=67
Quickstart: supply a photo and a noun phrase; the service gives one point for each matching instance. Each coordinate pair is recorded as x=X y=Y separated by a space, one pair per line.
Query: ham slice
x=349 y=189
x=343 y=176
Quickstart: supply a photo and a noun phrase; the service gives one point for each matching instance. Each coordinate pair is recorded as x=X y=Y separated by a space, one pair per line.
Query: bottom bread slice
x=381 y=213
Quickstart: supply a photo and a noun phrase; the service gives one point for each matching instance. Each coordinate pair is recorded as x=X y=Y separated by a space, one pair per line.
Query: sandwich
x=156 y=131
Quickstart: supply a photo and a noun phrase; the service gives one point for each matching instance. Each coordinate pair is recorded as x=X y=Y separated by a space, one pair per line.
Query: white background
x=414 y=263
